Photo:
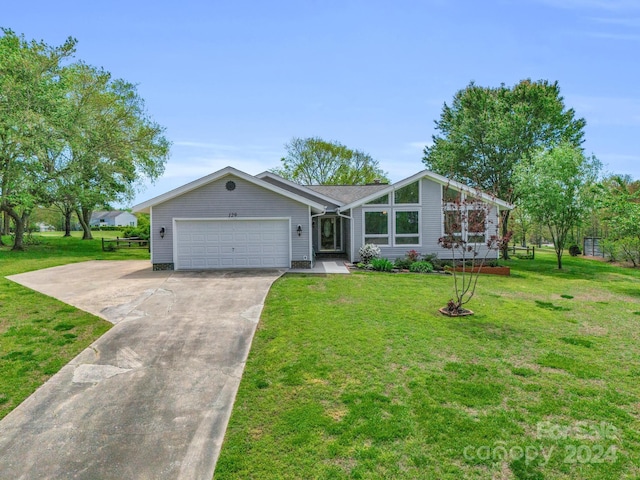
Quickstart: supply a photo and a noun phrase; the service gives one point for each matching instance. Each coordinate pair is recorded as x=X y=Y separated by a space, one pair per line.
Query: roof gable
x=303 y=189
x=176 y=192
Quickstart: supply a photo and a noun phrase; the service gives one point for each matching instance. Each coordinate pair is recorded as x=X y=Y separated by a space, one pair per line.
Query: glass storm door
x=330 y=234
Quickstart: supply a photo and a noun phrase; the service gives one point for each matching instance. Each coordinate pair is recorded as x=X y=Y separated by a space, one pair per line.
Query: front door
x=330 y=234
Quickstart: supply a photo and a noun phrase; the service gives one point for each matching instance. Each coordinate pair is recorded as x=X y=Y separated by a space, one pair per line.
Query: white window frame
x=389 y=233
x=407 y=208
x=402 y=205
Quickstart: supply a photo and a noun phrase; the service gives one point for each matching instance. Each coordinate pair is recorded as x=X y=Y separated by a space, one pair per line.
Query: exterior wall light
x=299 y=230
x=162 y=230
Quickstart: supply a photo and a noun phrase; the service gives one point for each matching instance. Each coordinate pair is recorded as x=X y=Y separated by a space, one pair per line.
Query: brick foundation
x=162 y=266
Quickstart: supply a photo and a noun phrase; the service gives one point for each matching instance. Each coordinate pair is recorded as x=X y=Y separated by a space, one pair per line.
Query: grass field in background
x=38 y=334
x=359 y=376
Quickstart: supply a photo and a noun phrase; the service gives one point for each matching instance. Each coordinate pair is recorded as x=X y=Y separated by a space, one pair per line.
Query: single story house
x=45 y=227
x=113 y=218
x=230 y=219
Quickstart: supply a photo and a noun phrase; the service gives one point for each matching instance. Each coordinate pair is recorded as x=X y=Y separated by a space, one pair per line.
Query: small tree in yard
x=556 y=189
x=471 y=233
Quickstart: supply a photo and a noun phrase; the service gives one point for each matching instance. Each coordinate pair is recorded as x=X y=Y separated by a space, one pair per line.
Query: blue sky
x=233 y=81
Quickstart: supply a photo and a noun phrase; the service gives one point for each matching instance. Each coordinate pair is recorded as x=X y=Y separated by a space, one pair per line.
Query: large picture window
x=407 y=227
x=383 y=200
x=376 y=227
x=408 y=194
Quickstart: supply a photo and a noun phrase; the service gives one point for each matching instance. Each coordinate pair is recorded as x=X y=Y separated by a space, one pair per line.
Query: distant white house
x=113 y=218
x=45 y=227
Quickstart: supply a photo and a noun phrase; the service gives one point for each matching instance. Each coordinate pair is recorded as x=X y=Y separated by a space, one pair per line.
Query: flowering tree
x=471 y=233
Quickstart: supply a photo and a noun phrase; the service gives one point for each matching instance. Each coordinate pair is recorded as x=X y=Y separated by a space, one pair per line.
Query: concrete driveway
x=152 y=397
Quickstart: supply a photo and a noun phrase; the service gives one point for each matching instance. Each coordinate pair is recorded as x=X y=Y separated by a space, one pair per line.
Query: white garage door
x=206 y=244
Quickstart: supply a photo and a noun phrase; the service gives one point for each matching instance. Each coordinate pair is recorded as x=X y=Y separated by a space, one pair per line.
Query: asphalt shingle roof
x=347 y=193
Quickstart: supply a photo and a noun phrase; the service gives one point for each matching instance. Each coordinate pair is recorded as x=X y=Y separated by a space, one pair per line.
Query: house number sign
x=232 y=214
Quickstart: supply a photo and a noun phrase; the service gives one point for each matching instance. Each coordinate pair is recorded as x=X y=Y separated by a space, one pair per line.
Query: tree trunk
x=505 y=230
x=2 y=231
x=18 y=222
x=67 y=221
x=84 y=216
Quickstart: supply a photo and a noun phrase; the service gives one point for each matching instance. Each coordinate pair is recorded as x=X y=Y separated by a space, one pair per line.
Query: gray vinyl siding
x=431 y=225
x=215 y=201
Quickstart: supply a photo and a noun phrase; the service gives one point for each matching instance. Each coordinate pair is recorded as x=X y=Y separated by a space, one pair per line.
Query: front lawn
x=38 y=334
x=360 y=377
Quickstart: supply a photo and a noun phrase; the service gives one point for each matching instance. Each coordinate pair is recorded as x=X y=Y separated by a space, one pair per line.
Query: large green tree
x=313 y=161
x=70 y=135
x=111 y=143
x=30 y=96
x=486 y=132
x=556 y=188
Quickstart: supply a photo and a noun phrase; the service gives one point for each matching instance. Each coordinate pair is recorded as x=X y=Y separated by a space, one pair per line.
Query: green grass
x=38 y=334
x=360 y=377
x=78 y=234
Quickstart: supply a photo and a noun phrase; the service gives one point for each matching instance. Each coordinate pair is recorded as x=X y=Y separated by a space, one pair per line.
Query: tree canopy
x=556 y=189
x=486 y=132
x=619 y=202
x=70 y=135
x=313 y=161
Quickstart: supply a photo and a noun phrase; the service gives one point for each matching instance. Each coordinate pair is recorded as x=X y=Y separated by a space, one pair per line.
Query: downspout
x=339 y=213
x=313 y=253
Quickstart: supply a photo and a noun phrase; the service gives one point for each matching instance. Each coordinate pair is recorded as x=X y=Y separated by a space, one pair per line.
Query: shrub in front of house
x=409 y=259
x=403 y=263
x=421 y=267
x=413 y=255
x=381 y=264
x=368 y=252
x=433 y=259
